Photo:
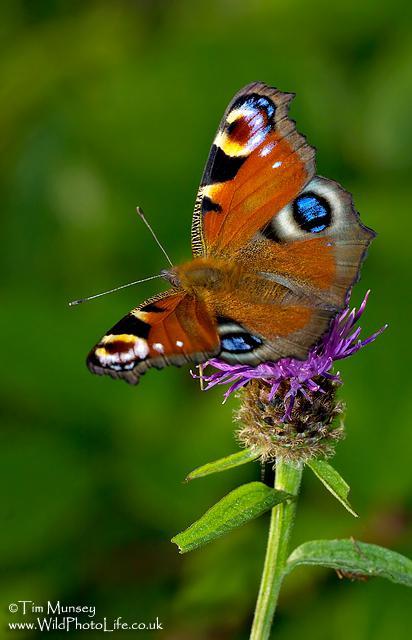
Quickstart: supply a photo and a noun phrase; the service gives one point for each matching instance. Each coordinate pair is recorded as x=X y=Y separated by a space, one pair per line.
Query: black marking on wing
x=221 y=167
x=231 y=128
x=151 y=308
x=209 y=205
x=222 y=320
x=270 y=233
x=132 y=326
x=256 y=101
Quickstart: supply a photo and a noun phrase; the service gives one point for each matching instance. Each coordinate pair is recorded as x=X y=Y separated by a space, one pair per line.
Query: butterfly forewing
x=257 y=164
x=172 y=328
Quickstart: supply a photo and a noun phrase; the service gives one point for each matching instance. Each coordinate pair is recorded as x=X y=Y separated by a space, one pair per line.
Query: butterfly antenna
x=142 y=216
x=104 y=293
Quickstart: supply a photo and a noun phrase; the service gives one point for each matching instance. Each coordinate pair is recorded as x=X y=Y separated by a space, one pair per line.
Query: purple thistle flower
x=341 y=341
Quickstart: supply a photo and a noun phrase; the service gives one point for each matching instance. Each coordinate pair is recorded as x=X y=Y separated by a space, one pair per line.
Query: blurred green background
x=109 y=105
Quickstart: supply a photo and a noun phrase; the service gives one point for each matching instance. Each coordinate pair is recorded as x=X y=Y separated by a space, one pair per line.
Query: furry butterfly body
x=275 y=251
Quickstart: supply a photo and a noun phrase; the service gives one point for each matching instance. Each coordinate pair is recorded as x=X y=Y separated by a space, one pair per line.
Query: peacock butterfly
x=275 y=247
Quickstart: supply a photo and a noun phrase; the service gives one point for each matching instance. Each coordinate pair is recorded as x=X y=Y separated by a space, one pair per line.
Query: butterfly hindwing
x=171 y=328
x=314 y=245
x=302 y=266
x=265 y=320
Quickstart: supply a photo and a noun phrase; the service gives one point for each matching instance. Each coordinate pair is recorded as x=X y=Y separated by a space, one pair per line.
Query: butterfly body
x=276 y=250
x=203 y=276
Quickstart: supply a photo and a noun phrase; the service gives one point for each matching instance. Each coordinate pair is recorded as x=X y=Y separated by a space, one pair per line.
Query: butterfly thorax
x=205 y=274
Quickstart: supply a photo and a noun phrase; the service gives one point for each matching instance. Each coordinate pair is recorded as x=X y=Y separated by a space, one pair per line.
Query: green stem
x=288 y=477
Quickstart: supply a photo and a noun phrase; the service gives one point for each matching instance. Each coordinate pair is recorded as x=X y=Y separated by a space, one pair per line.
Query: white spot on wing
x=157 y=346
x=266 y=149
x=138 y=350
x=141 y=348
x=179 y=343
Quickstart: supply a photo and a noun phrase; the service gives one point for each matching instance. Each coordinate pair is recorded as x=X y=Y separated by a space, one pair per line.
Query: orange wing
x=257 y=164
x=171 y=328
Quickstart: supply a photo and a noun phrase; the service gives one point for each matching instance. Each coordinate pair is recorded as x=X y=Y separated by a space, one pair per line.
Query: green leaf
x=238 y=507
x=333 y=481
x=229 y=462
x=354 y=557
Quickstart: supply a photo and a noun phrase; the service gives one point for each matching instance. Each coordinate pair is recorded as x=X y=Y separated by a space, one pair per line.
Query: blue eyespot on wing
x=239 y=342
x=312 y=212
